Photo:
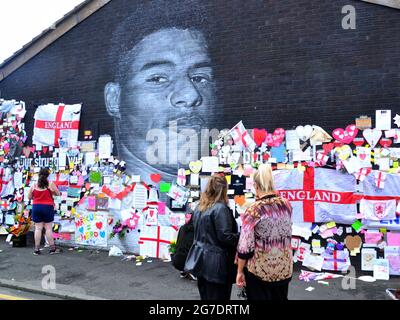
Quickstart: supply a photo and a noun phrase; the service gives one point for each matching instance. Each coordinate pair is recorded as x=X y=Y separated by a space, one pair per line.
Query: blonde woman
x=265 y=262
x=211 y=257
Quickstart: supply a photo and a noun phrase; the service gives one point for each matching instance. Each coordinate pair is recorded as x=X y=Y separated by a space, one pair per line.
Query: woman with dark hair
x=211 y=258
x=43 y=209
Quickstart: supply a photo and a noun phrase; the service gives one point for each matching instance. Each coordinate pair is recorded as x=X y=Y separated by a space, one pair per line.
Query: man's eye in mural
x=200 y=79
x=157 y=79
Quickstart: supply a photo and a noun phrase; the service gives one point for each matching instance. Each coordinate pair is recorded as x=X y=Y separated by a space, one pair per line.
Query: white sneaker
x=192 y=277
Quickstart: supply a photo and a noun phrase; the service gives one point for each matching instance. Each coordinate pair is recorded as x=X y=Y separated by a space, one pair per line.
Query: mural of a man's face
x=169 y=78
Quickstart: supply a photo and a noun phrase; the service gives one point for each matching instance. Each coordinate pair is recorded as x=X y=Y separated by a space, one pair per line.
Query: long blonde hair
x=263 y=179
x=216 y=191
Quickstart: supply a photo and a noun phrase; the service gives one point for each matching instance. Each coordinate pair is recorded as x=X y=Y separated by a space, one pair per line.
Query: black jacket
x=215 y=239
x=183 y=244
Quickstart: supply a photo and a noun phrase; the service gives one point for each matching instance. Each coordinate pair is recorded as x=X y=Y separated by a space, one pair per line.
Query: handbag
x=194 y=260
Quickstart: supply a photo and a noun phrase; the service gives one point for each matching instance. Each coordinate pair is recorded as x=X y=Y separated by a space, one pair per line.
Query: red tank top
x=42 y=197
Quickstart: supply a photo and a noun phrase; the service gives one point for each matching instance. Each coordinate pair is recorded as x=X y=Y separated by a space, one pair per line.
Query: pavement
x=93 y=275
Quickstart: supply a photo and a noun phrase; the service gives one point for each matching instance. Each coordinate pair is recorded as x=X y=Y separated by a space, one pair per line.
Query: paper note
x=331 y=224
x=383 y=119
x=292 y=140
x=392 y=254
x=393 y=238
x=161 y=208
x=135 y=178
x=357 y=225
x=105 y=147
x=164 y=187
x=194 y=179
x=9 y=219
x=327 y=233
x=62 y=159
x=139 y=197
x=90 y=158
x=114 y=204
x=316 y=243
x=367 y=259
x=298 y=155
x=210 y=164
x=352 y=164
x=18 y=180
x=381 y=269
x=302 y=231
x=203 y=183
x=372 y=237
x=313 y=262
x=315 y=229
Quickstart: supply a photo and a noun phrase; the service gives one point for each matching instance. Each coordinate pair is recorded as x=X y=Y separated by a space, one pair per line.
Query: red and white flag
x=241 y=137
x=53 y=122
x=155 y=240
x=379 y=202
x=362 y=173
x=59 y=179
x=6 y=182
x=318 y=194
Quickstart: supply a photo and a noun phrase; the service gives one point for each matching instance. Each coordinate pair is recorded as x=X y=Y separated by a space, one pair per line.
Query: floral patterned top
x=265 y=239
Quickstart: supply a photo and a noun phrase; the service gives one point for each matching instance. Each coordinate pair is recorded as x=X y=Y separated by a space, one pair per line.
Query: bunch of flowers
x=172 y=247
x=119 y=229
x=21 y=226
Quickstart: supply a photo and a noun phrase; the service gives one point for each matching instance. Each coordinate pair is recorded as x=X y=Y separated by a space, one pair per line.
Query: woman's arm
x=240 y=278
x=30 y=192
x=223 y=224
x=53 y=188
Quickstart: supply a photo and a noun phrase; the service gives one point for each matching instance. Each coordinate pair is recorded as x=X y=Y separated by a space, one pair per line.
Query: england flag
x=318 y=194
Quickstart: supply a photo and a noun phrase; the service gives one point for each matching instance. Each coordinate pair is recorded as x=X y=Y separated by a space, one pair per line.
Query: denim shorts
x=42 y=213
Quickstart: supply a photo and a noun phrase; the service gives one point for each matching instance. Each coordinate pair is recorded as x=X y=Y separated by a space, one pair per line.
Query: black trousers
x=213 y=291
x=257 y=289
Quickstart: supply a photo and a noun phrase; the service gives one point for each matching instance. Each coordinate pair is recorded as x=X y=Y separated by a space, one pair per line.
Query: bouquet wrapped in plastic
x=21 y=226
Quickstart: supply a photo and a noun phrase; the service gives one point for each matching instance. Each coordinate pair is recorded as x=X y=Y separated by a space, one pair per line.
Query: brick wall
x=277 y=63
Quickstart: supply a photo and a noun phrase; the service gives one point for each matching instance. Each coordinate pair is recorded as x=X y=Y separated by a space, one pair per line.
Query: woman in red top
x=43 y=209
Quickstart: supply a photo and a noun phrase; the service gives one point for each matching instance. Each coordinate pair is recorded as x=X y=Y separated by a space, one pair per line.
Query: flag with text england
x=318 y=194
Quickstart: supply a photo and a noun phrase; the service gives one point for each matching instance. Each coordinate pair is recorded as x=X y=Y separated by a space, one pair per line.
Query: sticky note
x=164 y=187
x=161 y=208
x=331 y=224
x=316 y=243
x=357 y=225
x=301 y=168
x=393 y=238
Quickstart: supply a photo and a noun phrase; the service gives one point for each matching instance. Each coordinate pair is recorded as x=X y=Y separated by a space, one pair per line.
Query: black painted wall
x=277 y=63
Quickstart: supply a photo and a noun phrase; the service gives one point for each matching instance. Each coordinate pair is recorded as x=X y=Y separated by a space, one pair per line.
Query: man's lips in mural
x=191 y=122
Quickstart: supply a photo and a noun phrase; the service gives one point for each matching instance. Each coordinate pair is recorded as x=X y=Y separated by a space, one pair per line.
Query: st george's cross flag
x=379 y=204
x=318 y=194
x=53 y=122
